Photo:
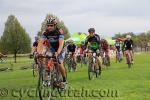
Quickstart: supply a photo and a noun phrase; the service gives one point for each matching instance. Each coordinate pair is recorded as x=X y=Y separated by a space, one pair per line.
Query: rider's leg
x=63 y=84
x=121 y=55
x=74 y=58
x=131 y=54
x=99 y=59
x=108 y=55
x=127 y=54
x=116 y=55
x=61 y=66
x=62 y=70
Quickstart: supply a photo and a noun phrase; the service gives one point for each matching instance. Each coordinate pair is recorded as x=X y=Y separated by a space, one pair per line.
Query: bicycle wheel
x=69 y=65
x=74 y=65
x=105 y=61
x=98 y=71
x=40 y=82
x=91 y=70
x=81 y=62
x=34 y=69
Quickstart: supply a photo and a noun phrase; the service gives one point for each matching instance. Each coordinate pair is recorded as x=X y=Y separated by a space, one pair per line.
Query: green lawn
x=126 y=84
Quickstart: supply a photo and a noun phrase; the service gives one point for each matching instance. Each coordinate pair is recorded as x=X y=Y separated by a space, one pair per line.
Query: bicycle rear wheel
x=91 y=70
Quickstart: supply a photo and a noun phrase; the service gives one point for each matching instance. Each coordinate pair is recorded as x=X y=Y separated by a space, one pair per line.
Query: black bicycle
x=71 y=63
x=93 y=70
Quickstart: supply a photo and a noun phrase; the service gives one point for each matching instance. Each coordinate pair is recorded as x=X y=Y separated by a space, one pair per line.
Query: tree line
x=15 y=40
x=141 y=40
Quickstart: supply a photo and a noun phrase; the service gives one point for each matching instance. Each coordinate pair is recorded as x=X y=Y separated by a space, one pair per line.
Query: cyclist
x=106 y=49
x=94 y=44
x=34 y=48
x=118 y=46
x=35 y=43
x=55 y=39
x=71 y=49
x=128 y=46
x=82 y=54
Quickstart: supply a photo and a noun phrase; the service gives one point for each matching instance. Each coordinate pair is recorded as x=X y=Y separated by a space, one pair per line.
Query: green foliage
x=14 y=39
x=59 y=25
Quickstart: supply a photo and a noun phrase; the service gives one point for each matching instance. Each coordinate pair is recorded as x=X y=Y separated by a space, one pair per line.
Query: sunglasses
x=91 y=32
x=50 y=25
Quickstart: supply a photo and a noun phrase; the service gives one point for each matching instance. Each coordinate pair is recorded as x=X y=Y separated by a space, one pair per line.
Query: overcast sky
x=106 y=16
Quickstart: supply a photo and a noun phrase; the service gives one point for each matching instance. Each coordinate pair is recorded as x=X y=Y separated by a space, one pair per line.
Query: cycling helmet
x=51 y=21
x=91 y=30
x=128 y=36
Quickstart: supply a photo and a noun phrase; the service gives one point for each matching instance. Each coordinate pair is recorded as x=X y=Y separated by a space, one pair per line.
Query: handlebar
x=49 y=57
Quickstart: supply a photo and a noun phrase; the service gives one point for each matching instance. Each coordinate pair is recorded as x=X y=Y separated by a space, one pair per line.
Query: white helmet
x=71 y=41
x=128 y=36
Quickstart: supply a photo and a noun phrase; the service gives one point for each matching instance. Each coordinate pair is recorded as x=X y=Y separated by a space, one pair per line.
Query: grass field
x=126 y=84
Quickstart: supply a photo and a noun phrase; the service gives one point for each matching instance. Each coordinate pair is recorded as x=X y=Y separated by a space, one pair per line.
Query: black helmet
x=91 y=30
x=51 y=21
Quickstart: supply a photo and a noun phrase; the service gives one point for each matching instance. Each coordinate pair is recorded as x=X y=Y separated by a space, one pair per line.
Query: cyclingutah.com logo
x=70 y=92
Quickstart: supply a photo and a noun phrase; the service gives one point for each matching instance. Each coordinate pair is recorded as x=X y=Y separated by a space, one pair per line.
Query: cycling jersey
x=71 y=48
x=53 y=38
x=105 y=45
x=94 y=41
x=128 y=44
x=118 y=46
x=81 y=48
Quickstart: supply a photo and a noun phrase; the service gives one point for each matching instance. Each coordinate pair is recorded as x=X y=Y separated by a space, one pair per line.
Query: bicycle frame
x=51 y=70
x=92 y=65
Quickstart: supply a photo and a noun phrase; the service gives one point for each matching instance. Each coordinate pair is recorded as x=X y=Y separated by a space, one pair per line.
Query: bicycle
x=34 y=69
x=92 y=67
x=49 y=75
x=35 y=66
x=105 y=60
x=81 y=59
x=71 y=63
x=118 y=56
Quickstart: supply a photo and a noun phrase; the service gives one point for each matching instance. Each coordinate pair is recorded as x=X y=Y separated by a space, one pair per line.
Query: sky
x=106 y=16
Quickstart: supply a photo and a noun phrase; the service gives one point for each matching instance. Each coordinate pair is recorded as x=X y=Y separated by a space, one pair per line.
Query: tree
x=14 y=39
x=59 y=25
x=118 y=35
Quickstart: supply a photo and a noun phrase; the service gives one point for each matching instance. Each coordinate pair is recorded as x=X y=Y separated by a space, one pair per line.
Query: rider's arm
x=41 y=48
x=34 y=47
x=86 y=42
x=99 y=40
x=76 y=48
x=61 y=43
